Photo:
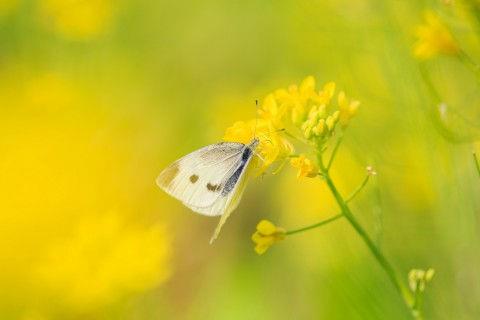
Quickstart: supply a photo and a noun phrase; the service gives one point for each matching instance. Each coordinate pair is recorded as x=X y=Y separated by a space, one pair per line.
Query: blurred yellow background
x=97 y=96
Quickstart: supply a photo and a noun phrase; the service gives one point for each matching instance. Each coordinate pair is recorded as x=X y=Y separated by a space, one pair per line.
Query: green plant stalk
x=334 y=152
x=384 y=263
x=315 y=225
x=477 y=163
x=469 y=62
x=354 y=194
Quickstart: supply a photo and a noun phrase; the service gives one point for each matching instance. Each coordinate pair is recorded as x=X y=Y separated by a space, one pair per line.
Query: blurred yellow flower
x=50 y=92
x=105 y=260
x=271 y=147
x=266 y=235
x=78 y=19
x=305 y=167
x=433 y=37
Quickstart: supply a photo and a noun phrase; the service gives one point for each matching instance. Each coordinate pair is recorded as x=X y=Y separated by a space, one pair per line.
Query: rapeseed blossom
x=433 y=38
x=305 y=166
x=295 y=113
x=272 y=145
x=266 y=235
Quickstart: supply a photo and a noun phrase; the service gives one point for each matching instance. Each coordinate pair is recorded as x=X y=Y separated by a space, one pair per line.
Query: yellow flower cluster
x=297 y=111
x=307 y=109
x=417 y=279
x=433 y=38
x=266 y=235
x=305 y=166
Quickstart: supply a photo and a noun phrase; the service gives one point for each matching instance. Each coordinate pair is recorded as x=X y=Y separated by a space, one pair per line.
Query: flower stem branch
x=334 y=153
x=384 y=263
x=477 y=163
x=288 y=134
x=469 y=62
x=315 y=225
x=357 y=191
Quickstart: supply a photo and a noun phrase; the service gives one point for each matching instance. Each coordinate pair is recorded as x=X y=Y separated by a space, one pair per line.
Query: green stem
x=295 y=137
x=477 y=164
x=360 y=187
x=384 y=263
x=334 y=152
x=316 y=225
x=436 y=114
x=469 y=62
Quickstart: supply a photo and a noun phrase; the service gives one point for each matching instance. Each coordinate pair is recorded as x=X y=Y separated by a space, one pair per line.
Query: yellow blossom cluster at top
x=299 y=111
x=433 y=37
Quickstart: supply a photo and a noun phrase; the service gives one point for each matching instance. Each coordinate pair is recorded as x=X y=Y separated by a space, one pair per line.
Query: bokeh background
x=97 y=96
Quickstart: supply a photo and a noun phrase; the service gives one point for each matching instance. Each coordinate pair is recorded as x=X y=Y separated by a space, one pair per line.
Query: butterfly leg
x=259 y=156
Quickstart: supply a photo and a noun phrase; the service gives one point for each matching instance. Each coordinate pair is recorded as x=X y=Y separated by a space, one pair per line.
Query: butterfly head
x=254 y=144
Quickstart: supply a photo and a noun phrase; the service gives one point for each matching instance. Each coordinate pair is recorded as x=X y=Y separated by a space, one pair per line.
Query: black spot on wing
x=213 y=187
x=193 y=178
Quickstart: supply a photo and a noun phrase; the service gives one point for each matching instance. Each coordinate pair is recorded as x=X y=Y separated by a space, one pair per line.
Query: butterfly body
x=211 y=180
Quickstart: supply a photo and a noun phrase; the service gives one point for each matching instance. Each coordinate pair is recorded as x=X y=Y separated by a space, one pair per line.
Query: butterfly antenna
x=256 y=119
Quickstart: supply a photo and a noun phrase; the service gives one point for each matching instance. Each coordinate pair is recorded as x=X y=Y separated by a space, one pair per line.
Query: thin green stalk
x=384 y=263
x=477 y=164
x=360 y=187
x=469 y=62
x=295 y=137
x=316 y=225
x=334 y=153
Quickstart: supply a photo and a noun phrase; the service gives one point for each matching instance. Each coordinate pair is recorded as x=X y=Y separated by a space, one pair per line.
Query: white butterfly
x=211 y=180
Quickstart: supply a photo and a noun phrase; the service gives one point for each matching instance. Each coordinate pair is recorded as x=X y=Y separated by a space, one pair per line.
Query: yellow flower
x=433 y=38
x=272 y=111
x=347 y=109
x=319 y=124
x=75 y=19
x=326 y=94
x=266 y=235
x=305 y=167
x=299 y=111
x=295 y=100
x=271 y=147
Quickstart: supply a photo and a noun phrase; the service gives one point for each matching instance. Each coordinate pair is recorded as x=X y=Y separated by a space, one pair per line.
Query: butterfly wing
x=198 y=179
x=229 y=203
